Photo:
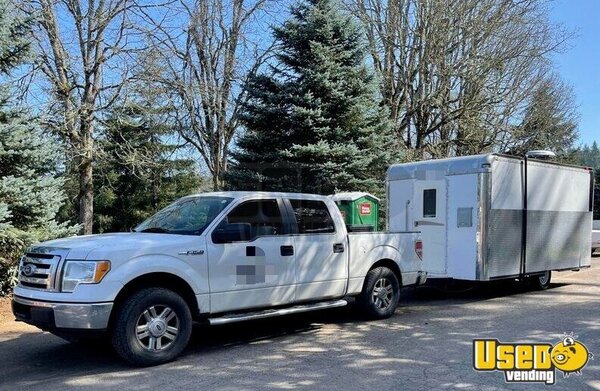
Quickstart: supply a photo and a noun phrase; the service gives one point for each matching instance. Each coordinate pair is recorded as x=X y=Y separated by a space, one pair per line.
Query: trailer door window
x=429 y=203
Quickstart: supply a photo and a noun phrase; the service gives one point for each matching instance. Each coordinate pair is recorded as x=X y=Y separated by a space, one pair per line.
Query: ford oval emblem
x=29 y=270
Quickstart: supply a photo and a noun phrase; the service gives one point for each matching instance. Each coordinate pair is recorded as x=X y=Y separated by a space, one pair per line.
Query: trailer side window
x=429 y=203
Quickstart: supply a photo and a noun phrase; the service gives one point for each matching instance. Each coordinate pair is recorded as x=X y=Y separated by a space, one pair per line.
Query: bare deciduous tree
x=202 y=66
x=79 y=51
x=456 y=74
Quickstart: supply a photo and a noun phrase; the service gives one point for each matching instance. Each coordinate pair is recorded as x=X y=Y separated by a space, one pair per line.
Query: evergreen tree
x=589 y=156
x=30 y=194
x=550 y=121
x=312 y=124
x=139 y=171
x=14 y=37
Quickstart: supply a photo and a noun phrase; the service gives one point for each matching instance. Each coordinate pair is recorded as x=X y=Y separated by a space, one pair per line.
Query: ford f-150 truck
x=213 y=257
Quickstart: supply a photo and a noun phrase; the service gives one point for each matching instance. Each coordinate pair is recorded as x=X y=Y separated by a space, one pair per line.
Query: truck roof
x=260 y=194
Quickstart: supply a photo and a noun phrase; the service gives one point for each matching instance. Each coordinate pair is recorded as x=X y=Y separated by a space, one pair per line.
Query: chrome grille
x=38 y=271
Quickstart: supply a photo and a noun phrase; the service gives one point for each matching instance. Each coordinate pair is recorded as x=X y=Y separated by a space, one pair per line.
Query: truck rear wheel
x=540 y=281
x=151 y=327
x=380 y=295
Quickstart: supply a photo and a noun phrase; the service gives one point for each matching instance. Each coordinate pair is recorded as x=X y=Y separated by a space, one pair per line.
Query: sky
x=579 y=63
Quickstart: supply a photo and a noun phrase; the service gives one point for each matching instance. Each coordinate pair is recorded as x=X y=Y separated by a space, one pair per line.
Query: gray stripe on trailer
x=555 y=240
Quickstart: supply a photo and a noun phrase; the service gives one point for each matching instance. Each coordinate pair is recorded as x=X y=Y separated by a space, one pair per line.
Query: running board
x=269 y=313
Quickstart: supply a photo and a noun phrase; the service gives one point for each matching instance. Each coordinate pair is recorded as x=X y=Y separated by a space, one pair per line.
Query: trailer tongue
x=492 y=216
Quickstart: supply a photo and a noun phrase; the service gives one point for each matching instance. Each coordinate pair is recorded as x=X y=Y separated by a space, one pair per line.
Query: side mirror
x=229 y=233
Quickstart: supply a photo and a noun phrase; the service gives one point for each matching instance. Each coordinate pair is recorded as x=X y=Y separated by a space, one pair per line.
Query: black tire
x=540 y=281
x=136 y=310
x=372 y=303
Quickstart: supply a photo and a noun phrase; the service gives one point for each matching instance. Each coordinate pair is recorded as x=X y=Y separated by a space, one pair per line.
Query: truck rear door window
x=263 y=217
x=429 y=203
x=312 y=217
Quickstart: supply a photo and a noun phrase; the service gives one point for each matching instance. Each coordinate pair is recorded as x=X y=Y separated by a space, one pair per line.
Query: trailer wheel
x=151 y=327
x=380 y=295
x=540 y=281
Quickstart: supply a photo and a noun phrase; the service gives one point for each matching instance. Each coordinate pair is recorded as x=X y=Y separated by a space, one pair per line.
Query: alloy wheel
x=157 y=327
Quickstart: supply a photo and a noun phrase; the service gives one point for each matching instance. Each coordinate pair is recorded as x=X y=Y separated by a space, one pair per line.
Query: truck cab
x=213 y=257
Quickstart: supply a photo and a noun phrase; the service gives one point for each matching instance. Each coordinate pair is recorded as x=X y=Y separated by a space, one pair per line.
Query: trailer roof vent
x=540 y=154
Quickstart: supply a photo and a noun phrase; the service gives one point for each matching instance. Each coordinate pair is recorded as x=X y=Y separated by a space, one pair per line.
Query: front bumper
x=51 y=315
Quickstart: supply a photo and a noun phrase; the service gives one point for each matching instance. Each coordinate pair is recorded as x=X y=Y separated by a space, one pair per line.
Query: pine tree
x=550 y=121
x=139 y=172
x=14 y=37
x=312 y=124
x=30 y=194
x=589 y=156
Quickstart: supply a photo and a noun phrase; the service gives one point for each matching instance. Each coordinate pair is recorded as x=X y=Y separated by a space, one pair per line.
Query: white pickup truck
x=216 y=257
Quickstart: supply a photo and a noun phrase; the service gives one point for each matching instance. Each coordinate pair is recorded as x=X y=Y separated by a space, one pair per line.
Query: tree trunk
x=216 y=181
x=86 y=197
x=219 y=170
x=86 y=182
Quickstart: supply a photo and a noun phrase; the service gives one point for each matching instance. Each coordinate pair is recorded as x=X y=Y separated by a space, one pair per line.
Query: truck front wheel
x=380 y=295
x=151 y=327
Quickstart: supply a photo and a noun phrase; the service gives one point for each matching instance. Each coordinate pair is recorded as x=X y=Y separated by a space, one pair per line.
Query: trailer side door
x=430 y=218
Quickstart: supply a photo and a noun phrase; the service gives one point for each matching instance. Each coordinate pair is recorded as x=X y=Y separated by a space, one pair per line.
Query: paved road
x=426 y=345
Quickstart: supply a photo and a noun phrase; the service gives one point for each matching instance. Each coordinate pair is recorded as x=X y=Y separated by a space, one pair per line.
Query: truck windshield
x=187 y=216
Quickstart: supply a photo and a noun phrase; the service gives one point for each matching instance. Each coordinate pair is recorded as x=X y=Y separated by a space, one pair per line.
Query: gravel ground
x=427 y=344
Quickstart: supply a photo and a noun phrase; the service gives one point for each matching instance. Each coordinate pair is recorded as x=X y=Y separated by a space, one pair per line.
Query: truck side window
x=312 y=217
x=263 y=217
x=429 y=203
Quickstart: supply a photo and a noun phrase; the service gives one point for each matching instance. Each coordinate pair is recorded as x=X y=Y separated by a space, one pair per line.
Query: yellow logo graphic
x=531 y=362
x=570 y=355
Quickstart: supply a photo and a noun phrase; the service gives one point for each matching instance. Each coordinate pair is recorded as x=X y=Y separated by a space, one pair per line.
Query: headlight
x=83 y=272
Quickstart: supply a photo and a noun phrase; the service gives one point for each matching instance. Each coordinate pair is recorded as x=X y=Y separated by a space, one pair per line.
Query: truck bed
x=397 y=247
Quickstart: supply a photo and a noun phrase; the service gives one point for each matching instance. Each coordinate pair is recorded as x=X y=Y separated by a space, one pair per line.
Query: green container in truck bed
x=360 y=211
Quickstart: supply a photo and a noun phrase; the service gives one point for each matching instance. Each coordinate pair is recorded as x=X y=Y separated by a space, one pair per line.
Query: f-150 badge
x=192 y=252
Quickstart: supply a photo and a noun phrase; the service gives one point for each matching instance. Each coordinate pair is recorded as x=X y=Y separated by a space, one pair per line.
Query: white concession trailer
x=493 y=216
